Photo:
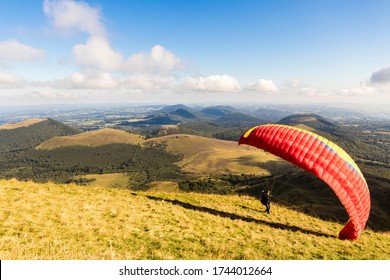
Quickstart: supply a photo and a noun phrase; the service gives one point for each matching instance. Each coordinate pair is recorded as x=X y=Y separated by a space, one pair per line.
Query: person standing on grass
x=266 y=200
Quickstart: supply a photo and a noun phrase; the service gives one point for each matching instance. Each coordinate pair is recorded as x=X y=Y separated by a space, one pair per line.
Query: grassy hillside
x=203 y=155
x=48 y=221
x=110 y=180
x=92 y=139
x=200 y=155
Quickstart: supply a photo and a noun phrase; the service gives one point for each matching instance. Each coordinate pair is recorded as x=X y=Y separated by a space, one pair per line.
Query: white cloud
x=263 y=86
x=298 y=86
x=88 y=79
x=93 y=80
x=99 y=61
x=309 y=91
x=381 y=76
x=72 y=15
x=213 y=83
x=158 y=60
x=80 y=16
x=294 y=83
x=97 y=52
x=148 y=83
x=50 y=95
x=164 y=59
x=362 y=89
x=13 y=50
x=10 y=80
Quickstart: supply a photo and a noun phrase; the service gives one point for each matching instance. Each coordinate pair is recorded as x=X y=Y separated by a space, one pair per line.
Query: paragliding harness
x=266 y=200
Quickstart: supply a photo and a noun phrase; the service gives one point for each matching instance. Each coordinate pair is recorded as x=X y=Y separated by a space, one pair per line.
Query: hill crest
x=202 y=155
x=92 y=139
x=25 y=123
x=218 y=111
x=26 y=135
x=312 y=120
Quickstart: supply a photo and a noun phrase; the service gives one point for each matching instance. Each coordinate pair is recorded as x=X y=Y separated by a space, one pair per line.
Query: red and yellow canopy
x=324 y=159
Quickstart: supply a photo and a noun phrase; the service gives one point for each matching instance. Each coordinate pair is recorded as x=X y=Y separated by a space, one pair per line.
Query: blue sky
x=296 y=51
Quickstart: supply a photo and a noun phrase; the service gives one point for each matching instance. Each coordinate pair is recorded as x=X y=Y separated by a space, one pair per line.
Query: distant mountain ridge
x=173 y=108
x=225 y=116
x=238 y=120
x=184 y=113
x=218 y=111
x=312 y=120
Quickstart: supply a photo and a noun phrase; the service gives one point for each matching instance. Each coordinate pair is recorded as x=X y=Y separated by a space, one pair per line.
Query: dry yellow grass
x=170 y=126
x=92 y=139
x=111 y=180
x=305 y=127
x=48 y=221
x=21 y=124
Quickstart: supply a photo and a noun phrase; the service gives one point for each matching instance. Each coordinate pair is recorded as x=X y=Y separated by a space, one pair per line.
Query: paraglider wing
x=322 y=158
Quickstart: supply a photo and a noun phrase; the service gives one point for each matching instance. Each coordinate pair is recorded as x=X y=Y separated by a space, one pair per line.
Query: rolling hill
x=201 y=155
x=238 y=120
x=92 y=139
x=183 y=113
x=218 y=111
x=69 y=222
x=173 y=108
x=31 y=133
x=271 y=115
x=311 y=120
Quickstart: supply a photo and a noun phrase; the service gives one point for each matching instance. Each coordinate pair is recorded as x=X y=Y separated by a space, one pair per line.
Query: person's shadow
x=238 y=217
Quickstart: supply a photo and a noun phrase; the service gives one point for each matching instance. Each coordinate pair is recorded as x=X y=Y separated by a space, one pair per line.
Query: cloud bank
x=213 y=83
x=263 y=86
x=10 y=80
x=381 y=76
